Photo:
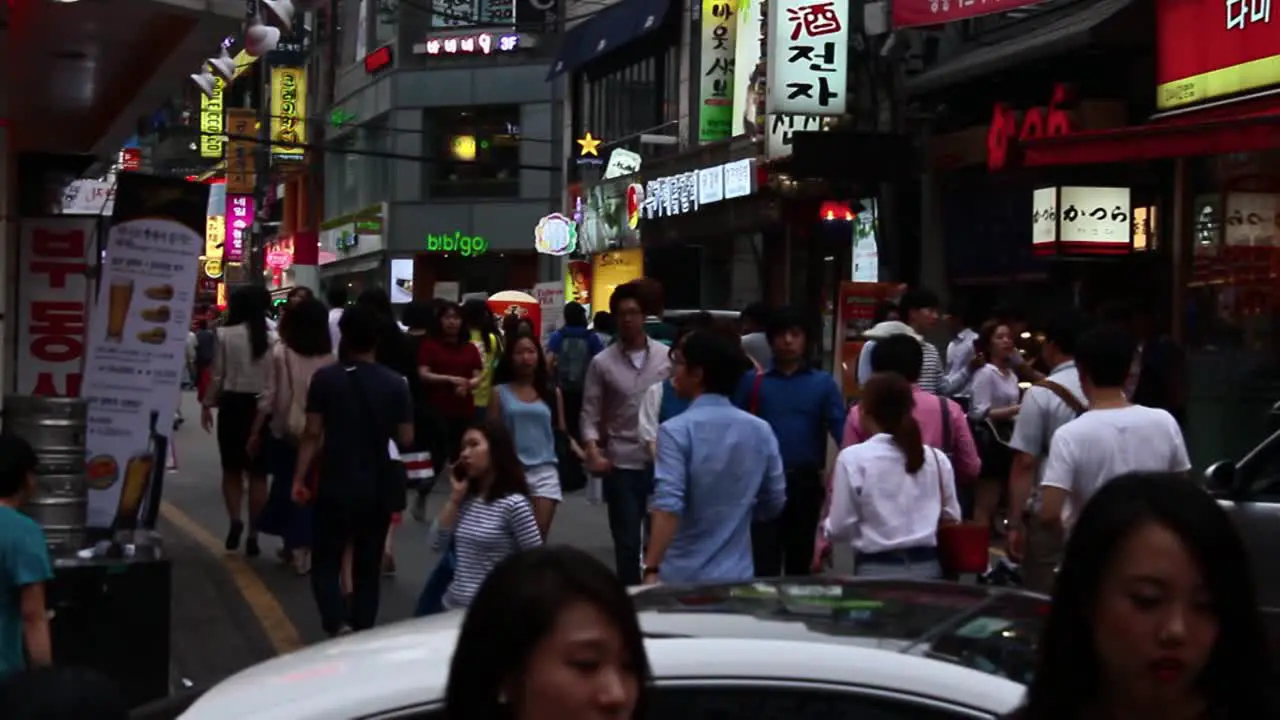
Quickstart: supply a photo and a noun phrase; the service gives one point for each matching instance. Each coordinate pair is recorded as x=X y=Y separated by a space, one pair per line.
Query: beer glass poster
x=136 y=345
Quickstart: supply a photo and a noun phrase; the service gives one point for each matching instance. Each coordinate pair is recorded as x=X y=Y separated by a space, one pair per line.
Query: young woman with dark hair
x=488 y=515
x=552 y=633
x=305 y=346
x=993 y=406
x=451 y=369
x=533 y=410
x=237 y=377
x=888 y=494
x=483 y=332
x=1154 y=613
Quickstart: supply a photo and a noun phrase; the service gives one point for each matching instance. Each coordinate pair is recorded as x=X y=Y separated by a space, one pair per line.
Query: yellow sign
x=211 y=125
x=215 y=234
x=213 y=268
x=1252 y=75
x=590 y=145
x=242 y=127
x=288 y=112
x=222 y=295
x=611 y=269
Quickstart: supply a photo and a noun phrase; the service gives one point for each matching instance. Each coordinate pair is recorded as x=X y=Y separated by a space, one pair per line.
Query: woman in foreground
x=551 y=635
x=1154 y=613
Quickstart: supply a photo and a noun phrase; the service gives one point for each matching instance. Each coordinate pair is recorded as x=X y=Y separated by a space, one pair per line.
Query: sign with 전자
x=808 y=57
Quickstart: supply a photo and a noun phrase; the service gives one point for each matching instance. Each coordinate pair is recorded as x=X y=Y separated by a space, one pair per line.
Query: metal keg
x=55 y=428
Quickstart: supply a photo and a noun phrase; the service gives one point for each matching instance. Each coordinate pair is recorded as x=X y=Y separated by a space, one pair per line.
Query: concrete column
x=933 y=249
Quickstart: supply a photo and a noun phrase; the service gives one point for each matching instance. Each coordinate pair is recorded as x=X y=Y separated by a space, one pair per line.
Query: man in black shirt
x=354 y=410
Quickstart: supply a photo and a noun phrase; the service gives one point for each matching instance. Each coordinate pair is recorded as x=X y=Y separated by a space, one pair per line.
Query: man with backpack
x=569 y=353
x=1046 y=406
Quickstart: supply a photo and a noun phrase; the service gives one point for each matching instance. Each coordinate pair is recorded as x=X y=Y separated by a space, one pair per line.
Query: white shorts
x=544 y=482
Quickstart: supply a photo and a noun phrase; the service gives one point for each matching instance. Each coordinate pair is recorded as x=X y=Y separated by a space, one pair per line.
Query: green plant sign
x=464 y=245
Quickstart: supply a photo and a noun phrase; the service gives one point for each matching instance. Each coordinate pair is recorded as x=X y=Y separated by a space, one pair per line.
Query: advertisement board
x=715 y=89
x=1207 y=49
x=288 y=113
x=53 y=295
x=401 y=281
x=242 y=128
x=211 y=122
x=807 y=58
x=611 y=269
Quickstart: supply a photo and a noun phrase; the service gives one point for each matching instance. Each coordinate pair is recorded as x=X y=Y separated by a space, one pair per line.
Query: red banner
x=918 y=13
x=1213 y=48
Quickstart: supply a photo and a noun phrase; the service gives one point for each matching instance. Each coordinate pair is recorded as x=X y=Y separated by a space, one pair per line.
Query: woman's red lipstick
x=1168 y=669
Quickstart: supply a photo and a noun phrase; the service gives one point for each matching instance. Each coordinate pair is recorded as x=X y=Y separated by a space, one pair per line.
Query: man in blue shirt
x=803 y=405
x=717 y=469
x=24 y=564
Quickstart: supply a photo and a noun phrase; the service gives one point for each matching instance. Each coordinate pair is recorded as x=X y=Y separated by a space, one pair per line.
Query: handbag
x=389 y=476
x=296 y=415
x=963 y=546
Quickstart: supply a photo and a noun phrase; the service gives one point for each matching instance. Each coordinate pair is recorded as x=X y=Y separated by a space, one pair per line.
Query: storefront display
x=611 y=269
x=400 y=285
x=577 y=282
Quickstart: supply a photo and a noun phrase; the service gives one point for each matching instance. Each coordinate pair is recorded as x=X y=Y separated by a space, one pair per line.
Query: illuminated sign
x=339 y=117
x=1010 y=128
x=288 y=112
x=688 y=191
x=279 y=259
x=556 y=235
x=211 y=125
x=1081 y=221
x=1208 y=49
x=464 y=245
x=215 y=234
x=242 y=130
x=240 y=214
x=213 y=268
x=589 y=145
x=478 y=44
x=377 y=60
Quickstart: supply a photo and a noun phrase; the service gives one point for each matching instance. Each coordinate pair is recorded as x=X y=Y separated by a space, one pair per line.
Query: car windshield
x=967 y=625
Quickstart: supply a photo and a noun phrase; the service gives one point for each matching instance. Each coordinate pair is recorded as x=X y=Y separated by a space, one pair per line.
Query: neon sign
x=464 y=245
x=377 y=60
x=1010 y=128
x=477 y=44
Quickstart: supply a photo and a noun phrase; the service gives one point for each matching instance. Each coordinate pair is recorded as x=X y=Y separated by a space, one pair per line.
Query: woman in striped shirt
x=489 y=515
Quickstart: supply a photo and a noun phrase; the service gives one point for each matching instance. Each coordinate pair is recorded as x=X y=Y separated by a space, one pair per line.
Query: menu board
x=136 y=348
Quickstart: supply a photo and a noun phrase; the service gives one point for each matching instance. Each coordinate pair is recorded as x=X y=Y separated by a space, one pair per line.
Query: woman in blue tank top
x=533 y=412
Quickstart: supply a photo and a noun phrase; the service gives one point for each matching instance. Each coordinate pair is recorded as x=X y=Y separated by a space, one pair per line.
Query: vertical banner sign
x=240 y=215
x=242 y=127
x=215 y=235
x=53 y=303
x=288 y=113
x=137 y=343
x=808 y=57
x=211 y=122
x=715 y=94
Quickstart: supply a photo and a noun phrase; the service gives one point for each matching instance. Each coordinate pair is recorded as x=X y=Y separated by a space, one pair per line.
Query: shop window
x=342 y=179
x=477 y=151
x=387 y=21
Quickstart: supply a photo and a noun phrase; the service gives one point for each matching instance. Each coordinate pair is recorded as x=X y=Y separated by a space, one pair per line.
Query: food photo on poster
x=136 y=345
x=401 y=284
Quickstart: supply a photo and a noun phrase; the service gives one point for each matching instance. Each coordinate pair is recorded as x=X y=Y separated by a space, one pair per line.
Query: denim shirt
x=718 y=469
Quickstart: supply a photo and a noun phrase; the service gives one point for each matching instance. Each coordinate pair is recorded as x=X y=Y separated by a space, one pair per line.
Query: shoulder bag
x=1064 y=395
x=296 y=415
x=963 y=547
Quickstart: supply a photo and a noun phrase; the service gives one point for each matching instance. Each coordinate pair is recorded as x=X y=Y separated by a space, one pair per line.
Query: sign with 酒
x=288 y=113
x=808 y=57
x=715 y=89
x=1208 y=49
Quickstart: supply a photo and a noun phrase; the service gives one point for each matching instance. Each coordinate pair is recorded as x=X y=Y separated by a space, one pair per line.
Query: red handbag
x=963 y=547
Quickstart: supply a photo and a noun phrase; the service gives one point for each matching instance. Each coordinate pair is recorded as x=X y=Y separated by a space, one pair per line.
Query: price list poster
x=136 y=344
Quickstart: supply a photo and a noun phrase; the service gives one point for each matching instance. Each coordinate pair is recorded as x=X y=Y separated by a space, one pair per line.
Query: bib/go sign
x=464 y=245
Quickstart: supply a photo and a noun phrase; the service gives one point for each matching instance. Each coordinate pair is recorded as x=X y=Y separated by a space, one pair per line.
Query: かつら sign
x=464 y=245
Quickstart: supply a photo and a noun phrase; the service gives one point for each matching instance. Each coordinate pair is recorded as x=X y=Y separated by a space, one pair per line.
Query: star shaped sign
x=590 y=145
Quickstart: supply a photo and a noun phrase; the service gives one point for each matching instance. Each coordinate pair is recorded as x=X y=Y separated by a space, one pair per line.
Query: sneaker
x=251 y=548
x=233 y=535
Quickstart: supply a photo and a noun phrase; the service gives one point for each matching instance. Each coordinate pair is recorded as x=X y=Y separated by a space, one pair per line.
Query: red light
x=833 y=210
x=377 y=60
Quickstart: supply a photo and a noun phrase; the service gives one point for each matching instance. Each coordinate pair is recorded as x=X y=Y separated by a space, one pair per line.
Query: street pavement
x=195 y=524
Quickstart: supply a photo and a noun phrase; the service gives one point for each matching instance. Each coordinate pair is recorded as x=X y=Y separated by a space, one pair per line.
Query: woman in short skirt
x=533 y=412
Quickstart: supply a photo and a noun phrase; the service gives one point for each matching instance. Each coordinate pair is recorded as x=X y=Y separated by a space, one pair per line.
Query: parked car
x=821 y=648
x=1249 y=489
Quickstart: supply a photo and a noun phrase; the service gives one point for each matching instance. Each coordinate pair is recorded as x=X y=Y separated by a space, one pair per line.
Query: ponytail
x=907 y=437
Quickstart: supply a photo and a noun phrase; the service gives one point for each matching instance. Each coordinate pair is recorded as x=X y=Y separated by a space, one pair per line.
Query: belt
x=900 y=557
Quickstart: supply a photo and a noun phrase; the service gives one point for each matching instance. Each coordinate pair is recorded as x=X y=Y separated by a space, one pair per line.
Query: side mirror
x=1221 y=476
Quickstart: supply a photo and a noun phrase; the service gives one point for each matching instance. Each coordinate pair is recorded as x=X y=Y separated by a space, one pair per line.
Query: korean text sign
x=53 y=295
x=288 y=113
x=240 y=214
x=808 y=58
x=241 y=129
x=918 y=13
x=1207 y=49
x=211 y=122
x=715 y=93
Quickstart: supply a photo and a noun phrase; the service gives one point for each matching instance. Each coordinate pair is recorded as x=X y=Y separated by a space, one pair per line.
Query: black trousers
x=334 y=526
x=784 y=545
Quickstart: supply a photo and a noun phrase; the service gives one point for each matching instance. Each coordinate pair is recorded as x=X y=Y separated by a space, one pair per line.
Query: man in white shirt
x=337 y=297
x=961 y=357
x=1114 y=438
x=1046 y=407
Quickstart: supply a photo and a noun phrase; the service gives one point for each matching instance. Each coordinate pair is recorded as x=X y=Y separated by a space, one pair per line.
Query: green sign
x=464 y=245
x=339 y=117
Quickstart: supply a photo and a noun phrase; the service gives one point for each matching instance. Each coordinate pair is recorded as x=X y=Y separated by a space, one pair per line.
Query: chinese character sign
x=715 y=94
x=288 y=112
x=240 y=214
x=1094 y=219
x=808 y=57
x=211 y=122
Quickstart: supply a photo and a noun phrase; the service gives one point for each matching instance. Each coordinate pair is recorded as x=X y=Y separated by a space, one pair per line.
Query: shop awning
x=606 y=31
x=1184 y=136
x=1073 y=29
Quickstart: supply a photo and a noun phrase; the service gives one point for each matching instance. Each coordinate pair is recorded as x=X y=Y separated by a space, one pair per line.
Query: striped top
x=931 y=369
x=484 y=534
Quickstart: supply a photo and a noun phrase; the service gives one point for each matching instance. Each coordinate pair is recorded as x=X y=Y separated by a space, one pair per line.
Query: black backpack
x=572 y=362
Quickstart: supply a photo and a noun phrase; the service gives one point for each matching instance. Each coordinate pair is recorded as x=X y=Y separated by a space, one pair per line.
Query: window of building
x=477 y=151
x=387 y=13
x=375 y=184
x=342 y=181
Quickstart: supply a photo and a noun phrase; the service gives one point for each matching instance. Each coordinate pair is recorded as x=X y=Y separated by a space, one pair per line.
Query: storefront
x=289 y=261
x=351 y=253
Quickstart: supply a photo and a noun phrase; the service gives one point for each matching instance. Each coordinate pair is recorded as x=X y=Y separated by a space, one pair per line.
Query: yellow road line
x=279 y=629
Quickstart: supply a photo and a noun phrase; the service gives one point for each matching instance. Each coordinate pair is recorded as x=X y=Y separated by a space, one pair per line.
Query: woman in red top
x=451 y=367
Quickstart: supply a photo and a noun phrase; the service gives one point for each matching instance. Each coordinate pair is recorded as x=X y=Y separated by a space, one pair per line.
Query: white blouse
x=876 y=505
x=992 y=390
